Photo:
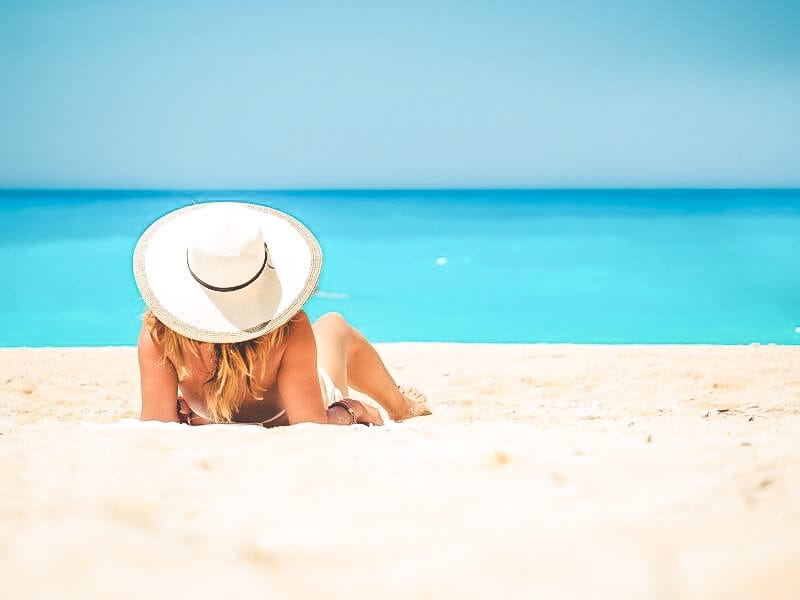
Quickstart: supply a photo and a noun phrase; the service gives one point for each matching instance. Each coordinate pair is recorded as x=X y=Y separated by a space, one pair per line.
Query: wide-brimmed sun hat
x=226 y=271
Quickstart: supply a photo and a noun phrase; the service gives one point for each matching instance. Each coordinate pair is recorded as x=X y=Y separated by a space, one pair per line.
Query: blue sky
x=258 y=95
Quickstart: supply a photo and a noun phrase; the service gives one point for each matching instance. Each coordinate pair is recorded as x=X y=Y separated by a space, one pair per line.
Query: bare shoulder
x=301 y=319
x=301 y=336
x=151 y=358
x=146 y=344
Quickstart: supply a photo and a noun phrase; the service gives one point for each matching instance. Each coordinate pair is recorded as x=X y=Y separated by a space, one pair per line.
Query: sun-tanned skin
x=289 y=376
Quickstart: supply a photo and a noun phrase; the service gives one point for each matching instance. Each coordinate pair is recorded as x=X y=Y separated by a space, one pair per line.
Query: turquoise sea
x=603 y=266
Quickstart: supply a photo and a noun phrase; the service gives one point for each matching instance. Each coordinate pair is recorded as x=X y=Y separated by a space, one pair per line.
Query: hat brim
x=175 y=297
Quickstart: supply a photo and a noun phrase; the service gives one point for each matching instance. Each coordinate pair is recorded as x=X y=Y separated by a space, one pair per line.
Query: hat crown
x=226 y=248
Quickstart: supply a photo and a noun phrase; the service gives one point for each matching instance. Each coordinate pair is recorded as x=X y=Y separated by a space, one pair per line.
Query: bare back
x=287 y=375
x=251 y=410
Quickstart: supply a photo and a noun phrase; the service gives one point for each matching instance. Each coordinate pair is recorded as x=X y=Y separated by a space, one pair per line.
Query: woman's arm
x=298 y=382
x=159 y=382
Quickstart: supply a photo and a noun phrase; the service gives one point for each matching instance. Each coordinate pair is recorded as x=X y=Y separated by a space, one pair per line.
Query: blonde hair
x=232 y=378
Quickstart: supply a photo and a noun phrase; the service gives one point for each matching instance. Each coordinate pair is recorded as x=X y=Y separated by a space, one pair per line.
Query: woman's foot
x=416 y=404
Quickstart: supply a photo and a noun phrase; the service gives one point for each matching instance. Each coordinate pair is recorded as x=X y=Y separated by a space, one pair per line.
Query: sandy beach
x=549 y=471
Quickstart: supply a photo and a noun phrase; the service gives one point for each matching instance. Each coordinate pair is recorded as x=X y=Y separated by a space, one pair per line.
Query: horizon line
x=398 y=189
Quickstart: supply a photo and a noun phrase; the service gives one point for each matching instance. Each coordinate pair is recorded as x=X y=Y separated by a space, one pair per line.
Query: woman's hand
x=339 y=413
x=365 y=414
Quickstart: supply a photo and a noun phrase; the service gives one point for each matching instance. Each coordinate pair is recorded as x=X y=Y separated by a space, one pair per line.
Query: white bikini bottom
x=332 y=393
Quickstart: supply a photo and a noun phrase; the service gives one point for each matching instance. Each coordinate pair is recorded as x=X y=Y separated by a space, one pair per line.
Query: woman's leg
x=352 y=361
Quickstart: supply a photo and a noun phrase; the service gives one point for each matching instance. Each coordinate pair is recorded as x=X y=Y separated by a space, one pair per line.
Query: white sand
x=555 y=471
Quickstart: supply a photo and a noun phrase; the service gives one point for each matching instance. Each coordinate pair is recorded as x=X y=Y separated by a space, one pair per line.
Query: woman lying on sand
x=224 y=285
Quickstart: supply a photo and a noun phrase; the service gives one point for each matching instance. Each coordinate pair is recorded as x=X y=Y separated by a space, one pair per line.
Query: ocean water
x=681 y=266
